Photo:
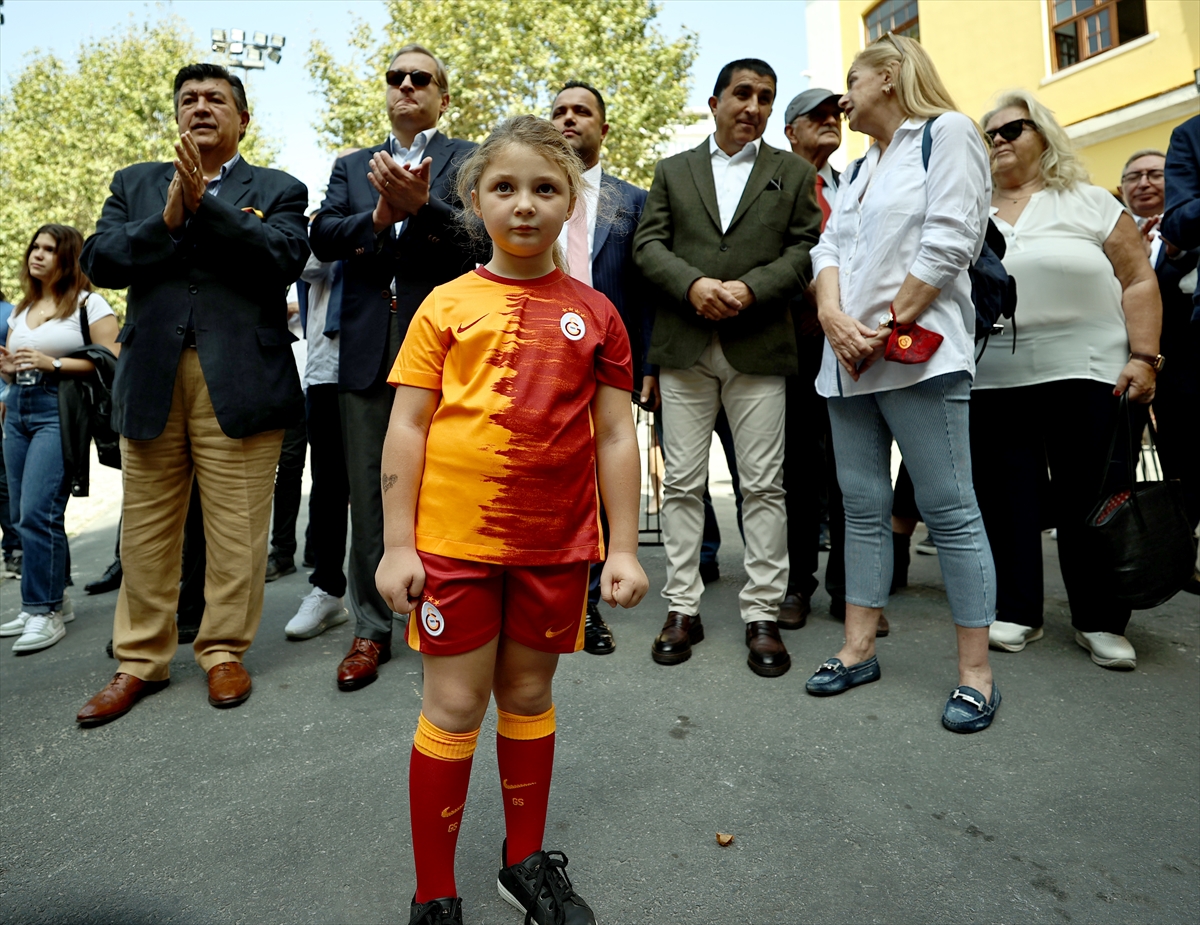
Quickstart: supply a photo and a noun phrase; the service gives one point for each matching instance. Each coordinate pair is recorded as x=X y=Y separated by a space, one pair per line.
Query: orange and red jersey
x=510 y=458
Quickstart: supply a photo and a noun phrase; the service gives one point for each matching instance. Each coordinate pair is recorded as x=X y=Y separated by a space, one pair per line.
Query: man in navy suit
x=601 y=235
x=391 y=214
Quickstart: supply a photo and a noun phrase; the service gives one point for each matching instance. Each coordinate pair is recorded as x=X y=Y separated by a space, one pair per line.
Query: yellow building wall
x=981 y=47
x=1106 y=160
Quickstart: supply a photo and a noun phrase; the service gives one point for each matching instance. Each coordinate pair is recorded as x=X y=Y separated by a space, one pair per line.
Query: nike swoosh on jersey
x=508 y=786
x=551 y=633
x=464 y=327
x=448 y=812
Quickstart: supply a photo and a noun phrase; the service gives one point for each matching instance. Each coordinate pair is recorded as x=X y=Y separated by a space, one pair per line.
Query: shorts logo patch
x=572 y=326
x=432 y=619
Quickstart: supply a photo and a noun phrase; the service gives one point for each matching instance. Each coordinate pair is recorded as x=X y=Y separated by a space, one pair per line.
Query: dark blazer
x=766 y=246
x=230 y=273
x=1181 y=212
x=434 y=250
x=613 y=271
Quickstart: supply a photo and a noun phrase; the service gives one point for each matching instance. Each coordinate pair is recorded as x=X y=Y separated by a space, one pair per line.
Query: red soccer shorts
x=467 y=604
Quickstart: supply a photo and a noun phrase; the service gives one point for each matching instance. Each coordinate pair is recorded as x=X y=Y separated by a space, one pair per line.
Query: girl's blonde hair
x=530 y=132
x=1060 y=167
x=919 y=89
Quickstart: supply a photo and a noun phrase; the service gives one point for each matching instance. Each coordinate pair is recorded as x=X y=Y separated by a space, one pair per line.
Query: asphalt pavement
x=1079 y=804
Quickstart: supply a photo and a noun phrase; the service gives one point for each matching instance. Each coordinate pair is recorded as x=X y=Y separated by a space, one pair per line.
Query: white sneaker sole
x=329 y=622
x=1119 y=664
x=40 y=644
x=510 y=899
x=20 y=630
x=1015 y=646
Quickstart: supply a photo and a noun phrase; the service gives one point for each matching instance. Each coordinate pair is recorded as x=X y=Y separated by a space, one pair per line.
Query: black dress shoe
x=674 y=642
x=837 y=609
x=278 y=566
x=794 y=611
x=597 y=637
x=768 y=655
x=710 y=572
x=109 y=581
x=188 y=634
x=446 y=911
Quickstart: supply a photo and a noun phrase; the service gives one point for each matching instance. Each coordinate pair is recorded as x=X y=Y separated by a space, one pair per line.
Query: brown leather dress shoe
x=674 y=642
x=361 y=665
x=228 y=684
x=794 y=611
x=117 y=699
x=768 y=655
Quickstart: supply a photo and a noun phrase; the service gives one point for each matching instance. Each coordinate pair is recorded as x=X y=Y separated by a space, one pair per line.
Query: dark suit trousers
x=330 y=495
x=289 y=479
x=1015 y=434
x=808 y=472
x=364 y=425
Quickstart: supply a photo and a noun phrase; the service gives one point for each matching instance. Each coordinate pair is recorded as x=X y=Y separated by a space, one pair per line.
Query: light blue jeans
x=929 y=422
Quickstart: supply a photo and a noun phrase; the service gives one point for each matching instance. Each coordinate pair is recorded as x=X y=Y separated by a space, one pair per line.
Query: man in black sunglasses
x=390 y=213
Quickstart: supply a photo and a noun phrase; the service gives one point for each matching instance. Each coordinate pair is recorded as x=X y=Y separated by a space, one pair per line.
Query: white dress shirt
x=591 y=199
x=730 y=175
x=897 y=218
x=321 y=363
x=410 y=157
x=826 y=174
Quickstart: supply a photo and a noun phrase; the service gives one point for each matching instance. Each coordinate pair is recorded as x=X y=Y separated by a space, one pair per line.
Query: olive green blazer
x=766 y=246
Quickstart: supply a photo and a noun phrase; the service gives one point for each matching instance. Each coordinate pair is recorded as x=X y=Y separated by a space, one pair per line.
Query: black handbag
x=1141 y=534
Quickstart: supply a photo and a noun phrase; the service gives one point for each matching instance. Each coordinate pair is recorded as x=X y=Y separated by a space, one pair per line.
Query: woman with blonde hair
x=43 y=330
x=894 y=299
x=1088 y=330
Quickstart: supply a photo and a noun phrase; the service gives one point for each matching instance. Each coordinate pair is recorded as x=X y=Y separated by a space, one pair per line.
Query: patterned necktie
x=825 y=210
x=578 y=258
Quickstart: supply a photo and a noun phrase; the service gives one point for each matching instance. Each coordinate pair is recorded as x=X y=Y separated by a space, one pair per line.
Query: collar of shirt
x=730 y=175
x=214 y=185
x=826 y=174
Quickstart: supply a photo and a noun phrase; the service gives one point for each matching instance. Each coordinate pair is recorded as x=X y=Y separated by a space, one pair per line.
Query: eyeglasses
x=1154 y=176
x=419 y=78
x=1009 y=131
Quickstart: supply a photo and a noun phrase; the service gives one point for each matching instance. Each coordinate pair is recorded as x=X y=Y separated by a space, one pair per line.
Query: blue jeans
x=929 y=422
x=33 y=447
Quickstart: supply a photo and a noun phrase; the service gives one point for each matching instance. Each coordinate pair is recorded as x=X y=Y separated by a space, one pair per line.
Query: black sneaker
x=446 y=911
x=279 y=565
x=539 y=887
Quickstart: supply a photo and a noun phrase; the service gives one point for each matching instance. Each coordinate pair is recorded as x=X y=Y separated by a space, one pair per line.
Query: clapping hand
x=402 y=189
x=187 y=186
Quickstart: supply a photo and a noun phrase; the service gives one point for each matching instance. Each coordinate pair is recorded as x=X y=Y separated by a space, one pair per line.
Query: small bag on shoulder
x=1141 y=533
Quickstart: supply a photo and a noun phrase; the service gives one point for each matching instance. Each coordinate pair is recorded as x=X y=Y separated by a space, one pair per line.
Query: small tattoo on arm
x=389 y=481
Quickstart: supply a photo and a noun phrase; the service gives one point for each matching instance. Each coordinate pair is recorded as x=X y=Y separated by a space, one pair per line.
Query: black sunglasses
x=419 y=78
x=1009 y=131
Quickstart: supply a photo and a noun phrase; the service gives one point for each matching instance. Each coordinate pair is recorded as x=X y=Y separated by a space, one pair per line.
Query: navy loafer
x=966 y=711
x=833 y=677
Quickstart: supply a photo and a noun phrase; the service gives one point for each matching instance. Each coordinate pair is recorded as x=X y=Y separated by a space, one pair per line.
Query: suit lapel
x=701 y=164
x=603 y=225
x=237 y=182
x=760 y=176
x=167 y=177
x=438 y=149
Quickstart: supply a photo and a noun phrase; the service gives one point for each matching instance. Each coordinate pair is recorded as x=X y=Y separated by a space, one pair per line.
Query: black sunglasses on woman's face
x=1009 y=131
x=419 y=78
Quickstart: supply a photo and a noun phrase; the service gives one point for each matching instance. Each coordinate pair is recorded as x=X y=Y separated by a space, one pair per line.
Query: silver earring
x=887 y=88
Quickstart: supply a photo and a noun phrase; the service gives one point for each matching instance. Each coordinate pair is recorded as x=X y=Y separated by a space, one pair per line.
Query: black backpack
x=993 y=291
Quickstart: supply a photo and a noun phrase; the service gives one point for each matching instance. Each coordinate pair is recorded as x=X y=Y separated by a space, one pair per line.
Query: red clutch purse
x=911 y=343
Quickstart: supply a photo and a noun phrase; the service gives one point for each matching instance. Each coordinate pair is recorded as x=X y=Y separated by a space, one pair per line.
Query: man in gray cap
x=814 y=130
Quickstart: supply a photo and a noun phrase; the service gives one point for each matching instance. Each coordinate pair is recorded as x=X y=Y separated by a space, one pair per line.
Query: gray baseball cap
x=807 y=101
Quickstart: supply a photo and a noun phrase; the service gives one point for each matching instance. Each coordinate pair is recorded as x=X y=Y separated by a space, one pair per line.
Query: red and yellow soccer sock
x=525 y=752
x=439 y=771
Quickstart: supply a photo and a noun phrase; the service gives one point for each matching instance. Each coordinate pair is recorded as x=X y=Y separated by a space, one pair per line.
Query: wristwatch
x=885 y=321
x=57 y=364
x=1156 y=362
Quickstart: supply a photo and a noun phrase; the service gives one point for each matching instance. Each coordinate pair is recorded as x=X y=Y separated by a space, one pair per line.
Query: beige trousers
x=755 y=407
x=237 y=479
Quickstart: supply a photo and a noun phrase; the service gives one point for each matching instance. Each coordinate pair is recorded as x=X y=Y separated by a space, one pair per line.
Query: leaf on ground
x=724 y=840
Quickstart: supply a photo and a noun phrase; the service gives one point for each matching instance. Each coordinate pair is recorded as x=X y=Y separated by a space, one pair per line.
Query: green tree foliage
x=65 y=130
x=506 y=57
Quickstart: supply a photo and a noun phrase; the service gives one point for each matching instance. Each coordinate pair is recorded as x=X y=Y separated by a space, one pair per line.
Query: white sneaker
x=42 y=631
x=1011 y=637
x=67 y=608
x=16 y=626
x=1108 y=649
x=927 y=547
x=318 y=612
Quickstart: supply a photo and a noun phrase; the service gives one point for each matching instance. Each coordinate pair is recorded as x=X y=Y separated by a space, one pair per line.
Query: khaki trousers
x=236 y=479
x=755 y=407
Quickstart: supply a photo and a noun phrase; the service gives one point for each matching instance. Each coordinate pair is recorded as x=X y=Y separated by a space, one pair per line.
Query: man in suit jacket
x=600 y=235
x=724 y=238
x=390 y=212
x=206 y=384
x=814 y=131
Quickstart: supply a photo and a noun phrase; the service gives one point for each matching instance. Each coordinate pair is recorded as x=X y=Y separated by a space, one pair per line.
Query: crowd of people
x=478 y=320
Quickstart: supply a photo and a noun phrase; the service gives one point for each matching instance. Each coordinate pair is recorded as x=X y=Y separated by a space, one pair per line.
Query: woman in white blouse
x=42 y=330
x=1087 y=328
x=896 y=251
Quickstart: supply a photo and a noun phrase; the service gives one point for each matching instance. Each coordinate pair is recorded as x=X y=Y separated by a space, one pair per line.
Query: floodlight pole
x=248 y=51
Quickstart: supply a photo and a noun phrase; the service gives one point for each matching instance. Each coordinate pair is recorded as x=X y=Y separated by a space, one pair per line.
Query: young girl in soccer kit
x=511 y=420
